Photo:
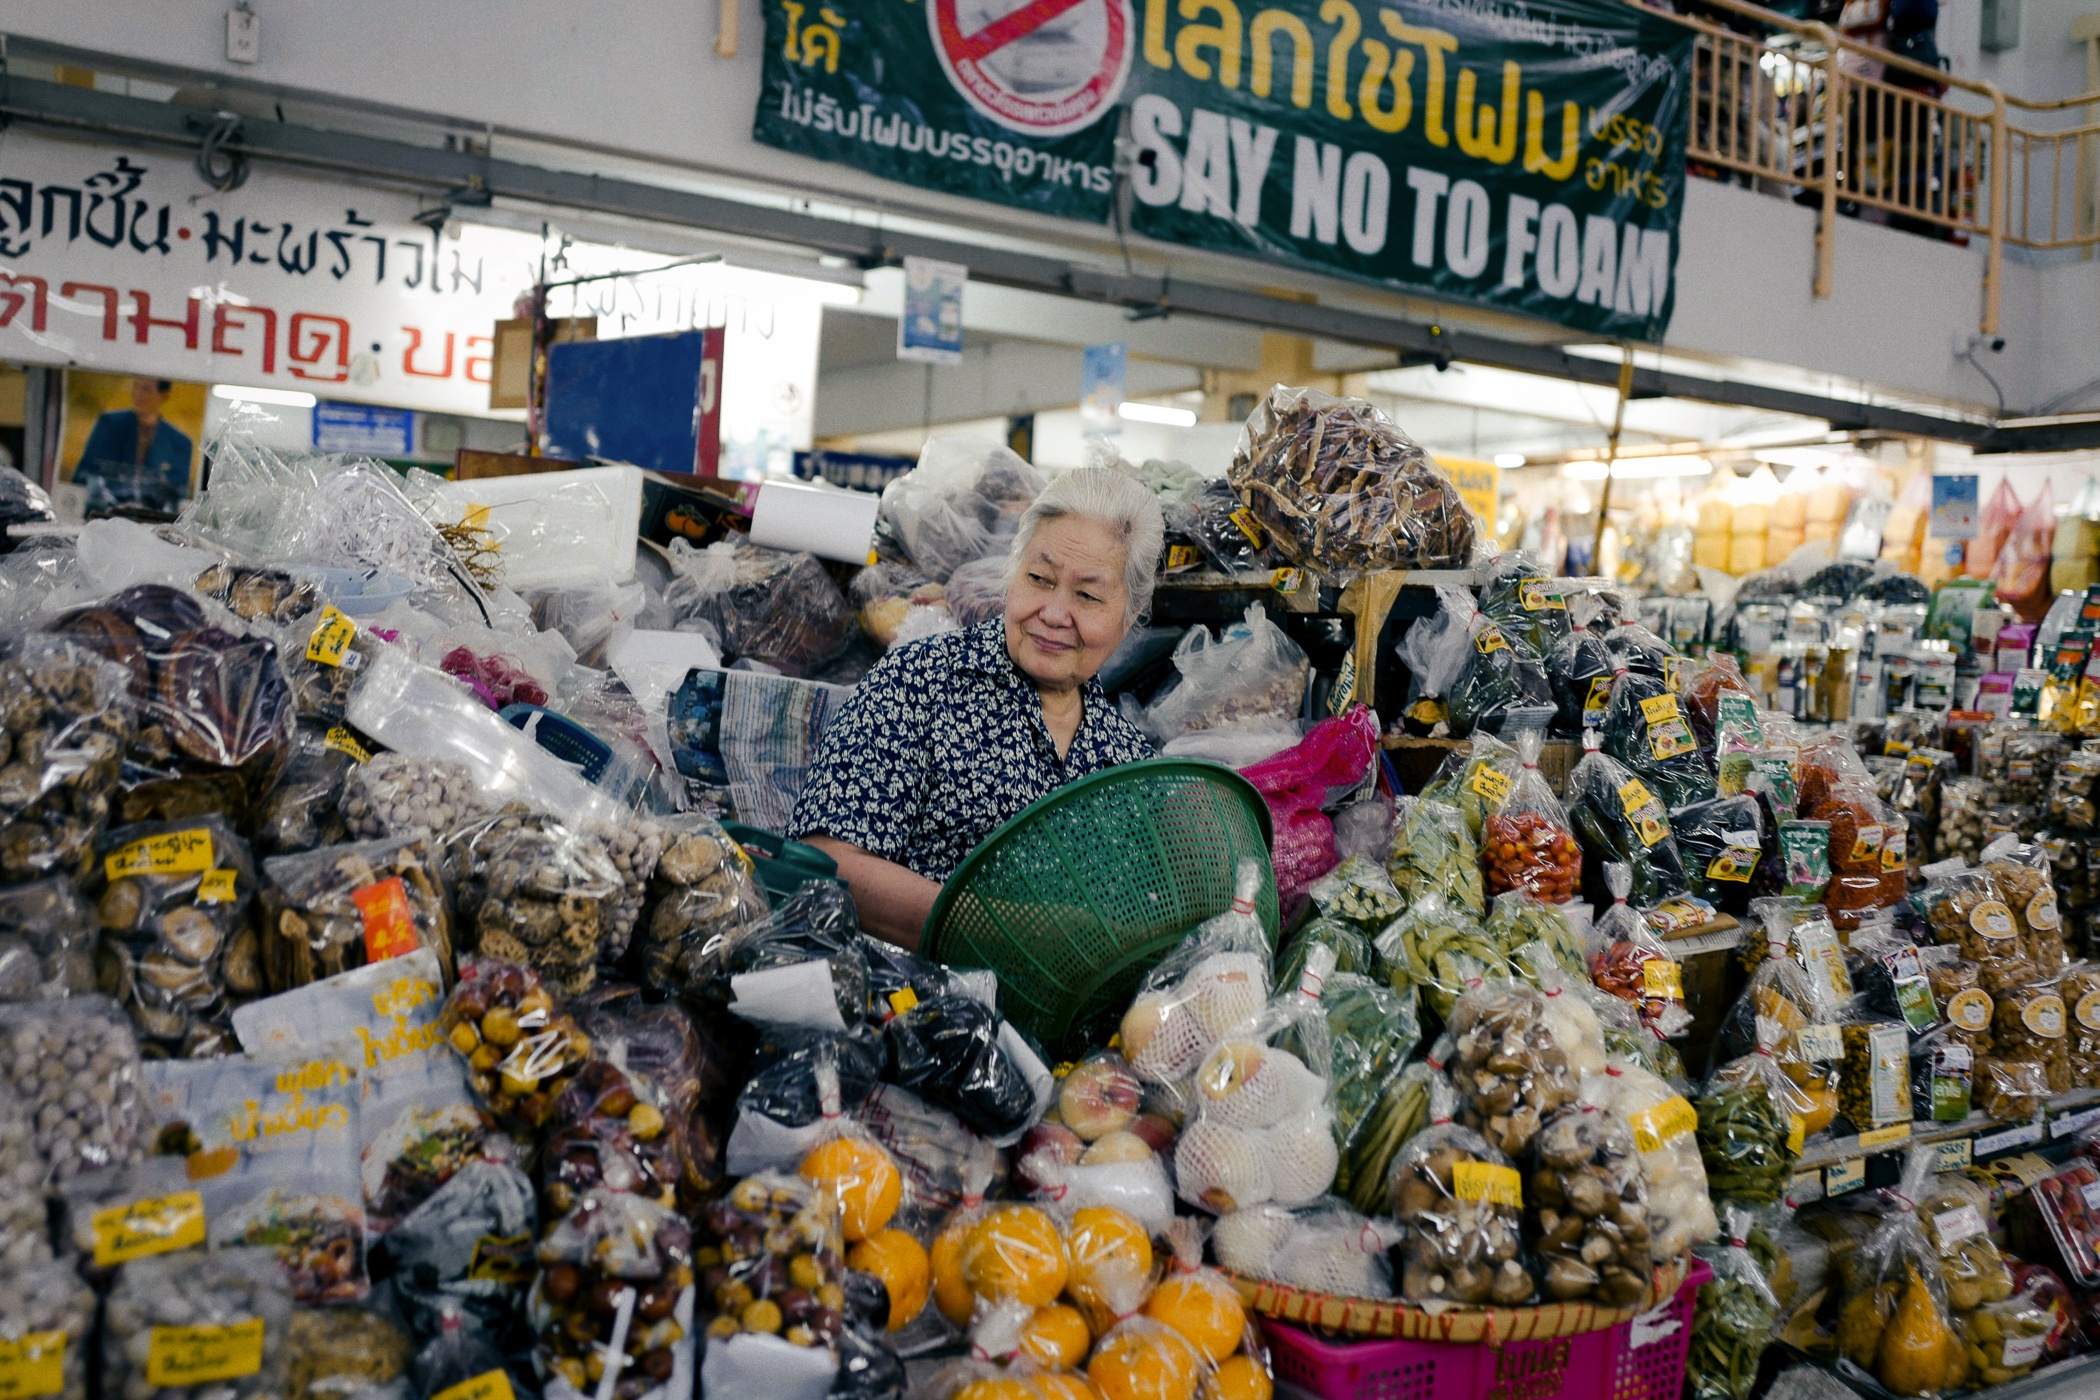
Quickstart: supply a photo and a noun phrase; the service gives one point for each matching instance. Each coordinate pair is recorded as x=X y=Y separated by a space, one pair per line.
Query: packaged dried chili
x=1646 y=729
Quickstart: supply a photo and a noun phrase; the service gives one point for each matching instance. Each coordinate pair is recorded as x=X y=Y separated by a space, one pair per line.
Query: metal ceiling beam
x=478 y=177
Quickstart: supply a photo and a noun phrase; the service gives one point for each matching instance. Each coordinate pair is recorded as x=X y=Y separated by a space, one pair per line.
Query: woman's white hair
x=1130 y=512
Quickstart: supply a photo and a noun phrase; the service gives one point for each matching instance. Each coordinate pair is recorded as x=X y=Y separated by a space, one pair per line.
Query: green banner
x=1525 y=156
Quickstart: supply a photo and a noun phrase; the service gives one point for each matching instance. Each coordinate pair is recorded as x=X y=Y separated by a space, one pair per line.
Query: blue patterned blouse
x=943 y=741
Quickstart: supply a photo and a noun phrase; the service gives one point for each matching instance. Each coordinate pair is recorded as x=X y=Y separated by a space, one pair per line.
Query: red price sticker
x=390 y=924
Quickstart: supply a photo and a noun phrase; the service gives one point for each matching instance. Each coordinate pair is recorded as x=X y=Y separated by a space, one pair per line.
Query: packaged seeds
x=1874 y=1089
x=398 y=794
x=86 y=1112
x=341 y=907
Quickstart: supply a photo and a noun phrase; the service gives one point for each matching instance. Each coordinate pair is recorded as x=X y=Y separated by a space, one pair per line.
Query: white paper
x=758 y=1144
x=1032 y=1068
x=652 y=664
x=799 y=994
x=825 y=521
x=754 y=1364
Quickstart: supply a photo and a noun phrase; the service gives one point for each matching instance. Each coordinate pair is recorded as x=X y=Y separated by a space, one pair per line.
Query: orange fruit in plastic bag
x=899 y=1261
x=866 y=1181
x=1204 y=1308
x=951 y=1288
x=1016 y=1252
x=1144 y=1363
x=1240 y=1378
x=1109 y=1250
x=1057 y=1336
x=1065 y=1385
x=997 y=1388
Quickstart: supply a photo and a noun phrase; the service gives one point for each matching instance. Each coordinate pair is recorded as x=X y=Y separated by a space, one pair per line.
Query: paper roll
x=826 y=522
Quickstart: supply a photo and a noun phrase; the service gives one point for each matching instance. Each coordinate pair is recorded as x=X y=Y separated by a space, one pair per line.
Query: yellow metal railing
x=1804 y=113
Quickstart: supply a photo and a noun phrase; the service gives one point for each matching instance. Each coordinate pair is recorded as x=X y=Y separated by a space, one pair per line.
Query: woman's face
x=1067 y=608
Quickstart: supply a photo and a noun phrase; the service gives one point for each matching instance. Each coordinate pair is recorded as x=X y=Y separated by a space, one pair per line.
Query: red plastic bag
x=1296 y=783
x=2000 y=516
x=2023 y=564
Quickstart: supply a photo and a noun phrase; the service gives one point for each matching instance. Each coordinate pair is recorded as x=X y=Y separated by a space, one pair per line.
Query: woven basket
x=1389 y=1317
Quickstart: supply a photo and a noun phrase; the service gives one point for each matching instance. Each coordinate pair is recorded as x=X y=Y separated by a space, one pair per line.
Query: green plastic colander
x=1073 y=900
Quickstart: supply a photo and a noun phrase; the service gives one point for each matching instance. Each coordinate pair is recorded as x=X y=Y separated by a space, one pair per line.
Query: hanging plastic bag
x=1665 y=1131
x=1297 y=783
x=1529 y=845
x=1249 y=677
x=1433 y=851
x=1631 y=963
x=1459 y=779
x=1648 y=731
x=1994 y=528
x=1462 y=1203
x=1579 y=668
x=1617 y=817
x=1437 y=946
x=1734 y=1319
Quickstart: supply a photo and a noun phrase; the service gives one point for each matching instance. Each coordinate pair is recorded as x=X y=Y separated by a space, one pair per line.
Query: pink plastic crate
x=1604 y=1365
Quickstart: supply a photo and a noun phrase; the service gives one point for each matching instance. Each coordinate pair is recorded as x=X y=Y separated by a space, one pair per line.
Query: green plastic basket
x=1075 y=899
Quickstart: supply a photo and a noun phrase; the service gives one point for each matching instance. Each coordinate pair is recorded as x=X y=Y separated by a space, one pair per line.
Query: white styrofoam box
x=564 y=527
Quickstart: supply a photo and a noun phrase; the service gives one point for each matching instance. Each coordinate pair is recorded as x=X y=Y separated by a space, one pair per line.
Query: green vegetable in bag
x=1358 y=892
x=1528 y=932
x=1434 y=852
x=1647 y=729
x=1401 y=1111
x=1501 y=674
x=1438 y=946
x=1618 y=818
x=1476 y=782
x=1371 y=1031
x=1732 y=1323
x=1521 y=595
x=1352 y=950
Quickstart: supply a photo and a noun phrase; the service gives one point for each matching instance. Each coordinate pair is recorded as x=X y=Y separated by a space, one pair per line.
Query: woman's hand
x=893 y=903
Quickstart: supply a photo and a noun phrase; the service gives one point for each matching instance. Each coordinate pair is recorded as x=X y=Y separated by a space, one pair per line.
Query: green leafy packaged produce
x=1732 y=1322
x=1436 y=851
x=1524 y=598
x=1358 y=892
x=1352 y=951
x=1647 y=728
x=1478 y=780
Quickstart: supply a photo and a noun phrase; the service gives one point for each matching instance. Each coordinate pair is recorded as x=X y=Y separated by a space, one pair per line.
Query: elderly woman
x=950 y=736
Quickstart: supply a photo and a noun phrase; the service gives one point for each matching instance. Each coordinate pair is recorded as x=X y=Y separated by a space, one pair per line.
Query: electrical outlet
x=243 y=35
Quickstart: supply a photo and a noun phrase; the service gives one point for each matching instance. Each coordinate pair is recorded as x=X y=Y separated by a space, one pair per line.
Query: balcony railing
x=1803 y=113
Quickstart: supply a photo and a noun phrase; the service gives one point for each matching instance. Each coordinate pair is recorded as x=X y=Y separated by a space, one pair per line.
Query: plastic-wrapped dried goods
x=533 y=891
x=618 y=1267
x=1617 y=817
x=1647 y=730
x=962 y=502
x=1250 y=676
x=468 y=1246
x=47 y=942
x=324 y=655
x=2020 y=875
x=1528 y=843
x=1874 y=1087
x=417 y=1120
x=1589 y=1209
x=1957 y=988
x=329 y=910
x=608 y=1131
x=275 y=1150
x=2010 y=1087
x=766 y=605
x=1521 y=593
x=333 y=1352
x=674 y=1071
x=1962 y=803
x=521 y=1046
x=1890 y=976
x=198 y=1324
x=47 y=1326
x=2032 y=1023
x=1962 y=908
x=1434 y=852
x=1228 y=534
x=702 y=891
x=1666 y=1133
x=87 y=1117
x=2080 y=989
x=1507 y=1066
x=1339 y=488
x=218 y=699
x=634 y=845
x=256 y=594
x=398 y=794
x=67 y=718
x=304 y=809
x=1462 y=1204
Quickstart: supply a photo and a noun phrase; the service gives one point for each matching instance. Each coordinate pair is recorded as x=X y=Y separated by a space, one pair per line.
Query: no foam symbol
x=1038 y=67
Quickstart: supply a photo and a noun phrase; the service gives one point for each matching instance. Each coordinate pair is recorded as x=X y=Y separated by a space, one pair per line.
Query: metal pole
x=1618 y=421
x=1994 y=262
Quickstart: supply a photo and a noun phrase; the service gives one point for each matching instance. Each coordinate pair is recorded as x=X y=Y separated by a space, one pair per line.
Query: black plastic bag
x=947 y=1052
x=1579 y=668
x=1500 y=675
x=1722 y=845
x=1647 y=729
x=468 y=1246
x=1618 y=818
x=1641 y=651
x=785 y=1087
x=898 y=980
x=868 y=1368
x=815 y=924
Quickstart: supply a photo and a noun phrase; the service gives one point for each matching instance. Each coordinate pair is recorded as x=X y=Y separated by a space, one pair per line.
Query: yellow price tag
x=331 y=638
x=217 y=887
x=1662 y=978
x=184 y=1356
x=1483 y=1181
x=1657 y=709
x=36 y=1365
x=1796 y=1133
x=1657 y=1127
x=1492 y=785
x=1882 y=1137
x=171 y=853
x=159 y=1225
x=1490 y=641
x=343 y=742
x=489 y=1385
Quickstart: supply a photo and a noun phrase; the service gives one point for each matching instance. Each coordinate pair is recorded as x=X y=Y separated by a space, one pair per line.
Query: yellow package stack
x=2074 y=555
x=1789 y=516
x=1710 y=535
x=1828 y=505
x=1903 y=537
x=1750 y=521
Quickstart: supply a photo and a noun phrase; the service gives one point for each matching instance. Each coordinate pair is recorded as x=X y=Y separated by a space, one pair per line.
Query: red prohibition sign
x=971 y=63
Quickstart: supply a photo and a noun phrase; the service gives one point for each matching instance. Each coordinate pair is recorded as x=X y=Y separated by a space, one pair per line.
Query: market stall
x=407 y=986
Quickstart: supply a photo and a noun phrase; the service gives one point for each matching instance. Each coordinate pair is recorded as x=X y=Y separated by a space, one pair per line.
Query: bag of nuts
x=1588 y=1208
x=1462 y=1203
x=532 y=891
x=36 y=1302
x=702 y=891
x=2020 y=875
x=398 y=794
x=521 y=1047
x=1507 y=1067
x=1963 y=908
x=87 y=1117
x=66 y=721
x=2033 y=1024
x=239 y=1294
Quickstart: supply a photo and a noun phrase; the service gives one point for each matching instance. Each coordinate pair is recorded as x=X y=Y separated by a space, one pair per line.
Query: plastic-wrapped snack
x=2074 y=789
x=1508 y=1068
x=1733 y=1322
x=2020 y=875
x=1961 y=819
x=1214 y=981
x=2080 y=989
x=1618 y=818
x=521 y=1047
x=1324 y=1247
x=329 y=910
x=304 y=809
x=1666 y=1133
x=1437 y=946
x=1589 y=1208
x=534 y=892
x=1433 y=851
x=47 y=942
x=398 y=794
x=333 y=1352
x=417 y=1120
x=468 y=1247
x=275 y=1153
x=618 y=1267
x=2032 y=1023
x=2010 y=1087
x=766 y=605
x=195 y=1325
x=1962 y=908
x=1528 y=843
x=1957 y=989
x=1261 y=1123
x=47 y=1324
x=172 y=898
x=1874 y=1088
x=1647 y=730
x=1721 y=842
x=1338 y=487
x=1462 y=1204
x=1631 y=963
x=87 y=1117
x=68 y=718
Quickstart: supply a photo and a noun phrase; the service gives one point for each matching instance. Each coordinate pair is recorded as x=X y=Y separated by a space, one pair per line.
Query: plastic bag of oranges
x=860 y=1172
x=1214 y=981
x=1200 y=1303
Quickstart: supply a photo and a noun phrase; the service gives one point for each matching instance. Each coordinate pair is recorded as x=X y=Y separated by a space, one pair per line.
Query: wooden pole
x=1618 y=421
